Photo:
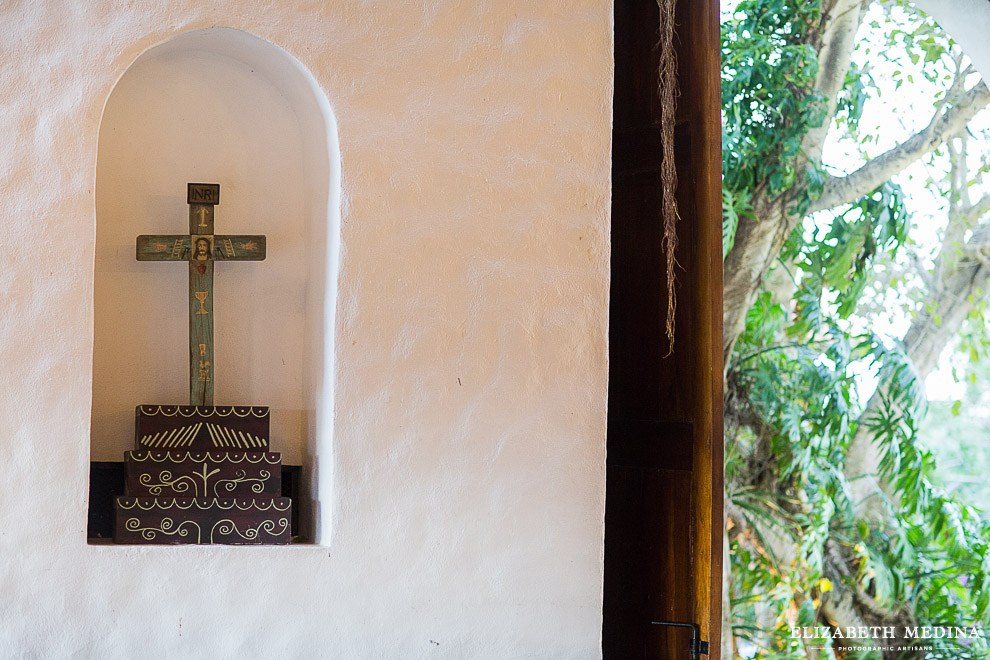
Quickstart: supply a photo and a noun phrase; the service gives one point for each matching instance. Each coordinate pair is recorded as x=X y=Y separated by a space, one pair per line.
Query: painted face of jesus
x=202 y=249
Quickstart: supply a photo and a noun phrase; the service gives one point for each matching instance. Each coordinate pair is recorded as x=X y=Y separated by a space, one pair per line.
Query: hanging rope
x=667 y=84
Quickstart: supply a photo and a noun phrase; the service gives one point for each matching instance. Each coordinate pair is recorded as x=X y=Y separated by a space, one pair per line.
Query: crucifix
x=202 y=473
x=200 y=248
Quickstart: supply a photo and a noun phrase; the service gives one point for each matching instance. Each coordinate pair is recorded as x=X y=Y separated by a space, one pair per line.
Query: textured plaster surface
x=461 y=476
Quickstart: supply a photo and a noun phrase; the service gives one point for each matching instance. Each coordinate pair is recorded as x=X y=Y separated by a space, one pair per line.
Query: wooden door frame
x=686 y=444
x=699 y=74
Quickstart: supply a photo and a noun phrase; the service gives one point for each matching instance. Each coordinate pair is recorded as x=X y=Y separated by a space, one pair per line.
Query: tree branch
x=849 y=188
x=835 y=45
x=977 y=248
x=956 y=228
x=976 y=211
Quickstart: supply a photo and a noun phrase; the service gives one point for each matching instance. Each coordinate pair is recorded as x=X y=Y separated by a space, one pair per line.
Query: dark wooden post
x=663 y=520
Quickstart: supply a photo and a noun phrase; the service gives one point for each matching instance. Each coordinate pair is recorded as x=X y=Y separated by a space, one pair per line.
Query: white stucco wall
x=464 y=474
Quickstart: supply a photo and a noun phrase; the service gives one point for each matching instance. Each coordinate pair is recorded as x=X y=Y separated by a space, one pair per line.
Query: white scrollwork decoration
x=227 y=526
x=178 y=485
x=166 y=526
x=229 y=485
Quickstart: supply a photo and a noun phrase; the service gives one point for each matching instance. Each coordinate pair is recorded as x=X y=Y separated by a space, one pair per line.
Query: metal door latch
x=698 y=647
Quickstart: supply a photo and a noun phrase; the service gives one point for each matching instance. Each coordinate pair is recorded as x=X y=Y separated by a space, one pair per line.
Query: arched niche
x=221 y=106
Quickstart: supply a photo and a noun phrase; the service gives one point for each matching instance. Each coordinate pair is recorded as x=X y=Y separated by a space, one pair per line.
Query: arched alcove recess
x=221 y=106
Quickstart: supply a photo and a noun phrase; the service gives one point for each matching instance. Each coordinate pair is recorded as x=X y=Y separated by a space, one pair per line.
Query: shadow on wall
x=221 y=106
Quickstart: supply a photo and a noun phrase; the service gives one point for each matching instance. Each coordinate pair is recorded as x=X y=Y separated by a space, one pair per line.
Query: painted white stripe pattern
x=179 y=437
x=226 y=437
x=220 y=435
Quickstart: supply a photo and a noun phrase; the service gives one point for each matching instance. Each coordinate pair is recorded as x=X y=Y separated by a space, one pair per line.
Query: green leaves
x=932 y=551
x=852 y=98
x=768 y=71
x=839 y=257
x=733 y=206
x=792 y=406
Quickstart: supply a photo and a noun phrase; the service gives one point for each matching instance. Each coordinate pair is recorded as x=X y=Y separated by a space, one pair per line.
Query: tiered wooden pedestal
x=200 y=475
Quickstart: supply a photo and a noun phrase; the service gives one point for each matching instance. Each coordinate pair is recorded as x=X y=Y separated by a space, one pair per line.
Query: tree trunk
x=759 y=239
x=937 y=322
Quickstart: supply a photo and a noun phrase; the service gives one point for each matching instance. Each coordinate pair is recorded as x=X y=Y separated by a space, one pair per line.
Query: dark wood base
x=227 y=521
x=203 y=474
x=201 y=428
x=106 y=484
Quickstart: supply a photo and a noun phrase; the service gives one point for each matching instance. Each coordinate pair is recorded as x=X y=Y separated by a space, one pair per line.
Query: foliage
x=957 y=431
x=835 y=253
x=933 y=550
x=767 y=94
x=733 y=206
x=936 y=557
x=794 y=403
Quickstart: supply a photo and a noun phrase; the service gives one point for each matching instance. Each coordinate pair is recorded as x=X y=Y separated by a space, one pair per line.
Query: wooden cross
x=200 y=247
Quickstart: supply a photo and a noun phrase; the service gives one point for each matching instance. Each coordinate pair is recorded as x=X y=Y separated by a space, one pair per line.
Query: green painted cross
x=200 y=247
